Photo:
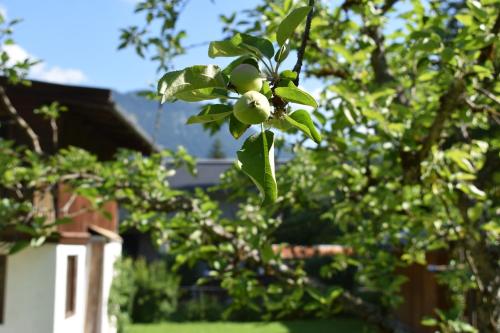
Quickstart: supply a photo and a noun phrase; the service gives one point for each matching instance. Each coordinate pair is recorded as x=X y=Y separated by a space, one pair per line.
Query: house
x=63 y=286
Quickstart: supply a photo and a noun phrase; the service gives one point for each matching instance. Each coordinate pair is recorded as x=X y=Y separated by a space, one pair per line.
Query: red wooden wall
x=83 y=216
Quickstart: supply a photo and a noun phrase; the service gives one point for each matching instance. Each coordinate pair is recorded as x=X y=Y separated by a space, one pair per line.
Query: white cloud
x=58 y=75
x=16 y=54
x=44 y=72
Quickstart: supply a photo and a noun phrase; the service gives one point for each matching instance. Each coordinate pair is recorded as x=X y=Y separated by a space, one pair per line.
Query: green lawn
x=317 y=326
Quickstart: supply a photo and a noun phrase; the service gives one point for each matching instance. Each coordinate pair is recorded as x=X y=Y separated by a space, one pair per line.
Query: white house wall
x=30 y=291
x=112 y=252
x=35 y=293
x=75 y=322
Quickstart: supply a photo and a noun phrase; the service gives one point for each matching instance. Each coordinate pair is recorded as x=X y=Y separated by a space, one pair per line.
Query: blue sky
x=78 y=39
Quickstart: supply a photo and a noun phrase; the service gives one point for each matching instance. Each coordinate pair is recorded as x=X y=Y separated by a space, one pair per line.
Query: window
x=3 y=275
x=71 y=285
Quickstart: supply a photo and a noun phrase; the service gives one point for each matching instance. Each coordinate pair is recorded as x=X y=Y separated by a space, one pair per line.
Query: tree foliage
x=407 y=163
x=409 y=158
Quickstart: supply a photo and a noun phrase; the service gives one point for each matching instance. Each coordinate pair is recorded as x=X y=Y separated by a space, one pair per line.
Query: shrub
x=156 y=292
x=142 y=292
x=202 y=308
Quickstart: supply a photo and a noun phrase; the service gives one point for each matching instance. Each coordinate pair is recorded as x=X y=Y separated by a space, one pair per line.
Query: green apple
x=252 y=108
x=245 y=78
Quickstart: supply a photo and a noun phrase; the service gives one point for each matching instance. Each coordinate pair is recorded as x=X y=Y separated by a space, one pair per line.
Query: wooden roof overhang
x=92 y=116
x=93 y=122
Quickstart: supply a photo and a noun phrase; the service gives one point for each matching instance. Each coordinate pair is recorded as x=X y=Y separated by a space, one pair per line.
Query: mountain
x=172 y=130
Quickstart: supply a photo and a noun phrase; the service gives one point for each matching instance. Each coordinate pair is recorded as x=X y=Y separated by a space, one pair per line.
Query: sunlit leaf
x=290 y=23
x=236 y=127
x=258 y=45
x=210 y=113
x=301 y=120
x=295 y=95
x=256 y=159
x=189 y=79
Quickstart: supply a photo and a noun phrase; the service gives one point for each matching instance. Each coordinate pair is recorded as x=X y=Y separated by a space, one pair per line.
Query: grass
x=316 y=326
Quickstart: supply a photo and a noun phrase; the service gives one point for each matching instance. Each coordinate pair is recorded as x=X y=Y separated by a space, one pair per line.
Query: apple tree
x=409 y=113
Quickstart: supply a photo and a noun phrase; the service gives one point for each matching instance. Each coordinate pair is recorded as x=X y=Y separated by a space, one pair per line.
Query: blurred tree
x=217 y=150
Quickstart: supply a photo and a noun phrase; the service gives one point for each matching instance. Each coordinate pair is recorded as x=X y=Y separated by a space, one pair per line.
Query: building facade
x=63 y=286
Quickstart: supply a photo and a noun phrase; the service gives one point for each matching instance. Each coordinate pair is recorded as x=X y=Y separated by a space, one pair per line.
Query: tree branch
x=451 y=100
x=305 y=38
x=487 y=52
x=11 y=110
x=388 y=5
x=489 y=95
x=378 y=59
x=447 y=103
x=372 y=313
x=328 y=71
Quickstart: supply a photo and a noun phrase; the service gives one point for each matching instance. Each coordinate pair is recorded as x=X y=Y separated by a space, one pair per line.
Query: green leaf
x=283 y=52
x=290 y=23
x=295 y=95
x=18 y=246
x=236 y=127
x=301 y=120
x=201 y=94
x=266 y=90
x=288 y=74
x=348 y=114
x=340 y=49
x=462 y=159
x=256 y=159
x=225 y=48
x=189 y=79
x=267 y=253
x=257 y=45
x=477 y=10
x=210 y=113
x=471 y=190
x=429 y=321
x=334 y=293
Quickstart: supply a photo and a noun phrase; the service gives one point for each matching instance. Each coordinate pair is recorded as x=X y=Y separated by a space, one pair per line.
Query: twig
x=196 y=45
x=305 y=37
x=488 y=94
x=481 y=108
x=7 y=106
x=78 y=176
x=387 y=6
x=78 y=212
x=67 y=206
x=475 y=270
